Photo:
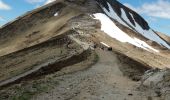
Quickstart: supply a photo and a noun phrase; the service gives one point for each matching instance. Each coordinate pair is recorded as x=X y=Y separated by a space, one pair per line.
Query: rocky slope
x=60 y=51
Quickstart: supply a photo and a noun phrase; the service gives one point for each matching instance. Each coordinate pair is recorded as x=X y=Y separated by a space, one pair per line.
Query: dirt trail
x=103 y=81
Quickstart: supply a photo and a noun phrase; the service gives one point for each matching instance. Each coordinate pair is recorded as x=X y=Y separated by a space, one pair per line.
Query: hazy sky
x=156 y=12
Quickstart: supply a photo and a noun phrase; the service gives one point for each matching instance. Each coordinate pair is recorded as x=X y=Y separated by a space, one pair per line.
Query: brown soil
x=59 y=57
x=104 y=80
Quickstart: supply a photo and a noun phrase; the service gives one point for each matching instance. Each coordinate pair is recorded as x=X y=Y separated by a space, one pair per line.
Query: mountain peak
x=130 y=19
x=83 y=45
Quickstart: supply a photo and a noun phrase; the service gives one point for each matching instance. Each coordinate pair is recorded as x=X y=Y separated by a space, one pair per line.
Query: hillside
x=67 y=49
x=164 y=36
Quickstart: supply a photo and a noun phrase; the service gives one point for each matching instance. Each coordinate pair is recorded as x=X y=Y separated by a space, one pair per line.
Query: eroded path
x=103 y=81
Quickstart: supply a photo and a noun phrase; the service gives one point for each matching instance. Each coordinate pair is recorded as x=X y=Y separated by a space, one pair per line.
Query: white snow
x=149 y=34
x=56 y=14
x=112 y=30
x=49 y=1
x=113 y=15
x=144 y=44
x=105 y=44
x=123 y=15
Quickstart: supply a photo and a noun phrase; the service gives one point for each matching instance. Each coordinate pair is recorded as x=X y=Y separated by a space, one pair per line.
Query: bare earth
x=61 y=58
x=103 y=81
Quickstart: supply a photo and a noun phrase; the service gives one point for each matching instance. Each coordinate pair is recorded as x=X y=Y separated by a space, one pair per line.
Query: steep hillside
x=130 y=19
x=164 y=36
x=67 y=49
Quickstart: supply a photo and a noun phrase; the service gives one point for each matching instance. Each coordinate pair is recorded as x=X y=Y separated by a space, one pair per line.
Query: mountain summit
x=83 y=49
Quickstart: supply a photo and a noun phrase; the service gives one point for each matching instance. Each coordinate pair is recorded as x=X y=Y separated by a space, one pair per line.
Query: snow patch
x=49 y=1
x=112 y=30
x=144 y=44
x=111 y=13
x=56 y=14
x=123 y=15
x=149 y=34
x=105 y=44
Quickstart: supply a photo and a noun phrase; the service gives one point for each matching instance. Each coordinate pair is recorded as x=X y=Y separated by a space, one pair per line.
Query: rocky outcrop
x=159 y=80
x=117 y=8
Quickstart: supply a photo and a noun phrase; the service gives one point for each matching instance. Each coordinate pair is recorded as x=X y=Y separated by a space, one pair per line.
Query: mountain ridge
x=69 y=48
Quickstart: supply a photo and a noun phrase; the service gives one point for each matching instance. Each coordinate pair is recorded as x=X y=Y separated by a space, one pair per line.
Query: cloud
x=2 y=19
x=35 y=1
x=4 y=6
x=49 y=1
x=159 y=9
x=39 y=1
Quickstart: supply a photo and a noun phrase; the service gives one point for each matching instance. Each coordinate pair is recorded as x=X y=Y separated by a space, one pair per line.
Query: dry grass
x=46 y=28
x=25 y=60
x=26 y=90
x=157 y=60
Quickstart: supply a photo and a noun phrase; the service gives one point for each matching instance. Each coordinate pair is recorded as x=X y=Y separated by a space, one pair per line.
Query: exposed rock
x=159 y=80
